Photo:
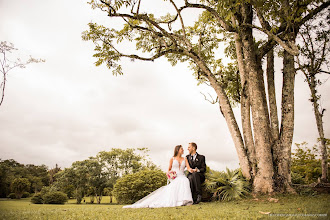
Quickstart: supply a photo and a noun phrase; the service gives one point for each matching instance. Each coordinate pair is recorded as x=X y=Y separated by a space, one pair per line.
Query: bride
x=177 y=193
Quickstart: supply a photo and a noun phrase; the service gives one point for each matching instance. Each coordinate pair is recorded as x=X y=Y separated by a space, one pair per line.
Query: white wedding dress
x=177 y=193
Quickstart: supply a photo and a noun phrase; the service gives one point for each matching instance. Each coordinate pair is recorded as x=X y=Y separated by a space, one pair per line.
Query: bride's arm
x=170 y=166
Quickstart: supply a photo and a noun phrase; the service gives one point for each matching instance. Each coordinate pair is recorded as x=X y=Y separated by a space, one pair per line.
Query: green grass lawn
x=293 y=207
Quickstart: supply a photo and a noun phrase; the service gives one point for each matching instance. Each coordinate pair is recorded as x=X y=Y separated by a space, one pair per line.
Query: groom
x=196 y=173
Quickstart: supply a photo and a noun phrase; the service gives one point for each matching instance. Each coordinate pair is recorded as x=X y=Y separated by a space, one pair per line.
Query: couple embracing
x=182 y=190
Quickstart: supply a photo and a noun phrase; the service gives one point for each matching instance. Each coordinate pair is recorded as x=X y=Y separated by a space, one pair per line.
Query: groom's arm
x=203 y=165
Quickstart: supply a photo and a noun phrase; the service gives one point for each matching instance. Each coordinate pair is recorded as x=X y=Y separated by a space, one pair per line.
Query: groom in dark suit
x=196 y=173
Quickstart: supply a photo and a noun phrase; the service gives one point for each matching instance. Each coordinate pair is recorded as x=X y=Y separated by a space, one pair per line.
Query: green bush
x=296 y=178
x=134 y=187
x=307 y=163
x=55 y=198
x=45 y=190
x=11 y=196
x=37 y=199
x=25 y=195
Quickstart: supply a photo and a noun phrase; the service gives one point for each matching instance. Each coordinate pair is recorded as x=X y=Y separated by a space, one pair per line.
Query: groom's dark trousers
x=197 y=178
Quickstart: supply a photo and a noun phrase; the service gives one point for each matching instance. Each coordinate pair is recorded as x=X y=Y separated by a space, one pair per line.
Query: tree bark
x=228 y=114
x=245 y=107
x=272 y=96
x=283 y=150
x=319 y=122
x=263 y=181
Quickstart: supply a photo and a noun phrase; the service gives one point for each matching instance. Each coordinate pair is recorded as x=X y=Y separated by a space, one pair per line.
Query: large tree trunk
x=319 y=122
x=272 y=96
x=263 y=181
x=227 y=112
x=283 y=149
x=245 y=107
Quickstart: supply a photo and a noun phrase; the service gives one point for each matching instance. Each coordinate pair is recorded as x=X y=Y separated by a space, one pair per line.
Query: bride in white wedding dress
x=177 y=193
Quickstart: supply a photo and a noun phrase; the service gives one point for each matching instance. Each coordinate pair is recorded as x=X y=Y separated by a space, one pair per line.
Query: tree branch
x=289 y=47
x=312 y=14
x=152 y=58
x=225 y=25
x=212 y=101
x=182 y=25
x=322 y=71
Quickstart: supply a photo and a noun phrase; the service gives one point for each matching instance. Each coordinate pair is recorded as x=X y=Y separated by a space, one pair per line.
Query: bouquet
x=171 y=175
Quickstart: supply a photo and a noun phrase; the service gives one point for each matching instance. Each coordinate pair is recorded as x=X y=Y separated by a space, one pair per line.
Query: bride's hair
x=176 y=150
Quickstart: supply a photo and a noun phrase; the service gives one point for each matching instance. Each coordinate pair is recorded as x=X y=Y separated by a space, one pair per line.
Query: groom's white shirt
x=194 y=156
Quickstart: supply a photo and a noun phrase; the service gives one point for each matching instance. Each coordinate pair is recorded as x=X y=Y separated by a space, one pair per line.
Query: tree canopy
x=251 y=30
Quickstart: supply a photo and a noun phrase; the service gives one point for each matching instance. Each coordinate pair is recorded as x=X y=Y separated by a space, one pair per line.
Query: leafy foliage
x=228 y=185
x=119 y=162
x=306 y=164
x=37 y=199
x=134 y=187
x=92 y=176
x=75 y=176
x=55 y=198
x=19 y=186
x=146 y=30
x=11 y=196
x=25 y=195
x=11 y=169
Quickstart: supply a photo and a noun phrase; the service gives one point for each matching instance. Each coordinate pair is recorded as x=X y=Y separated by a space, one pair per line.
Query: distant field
x=287 y=207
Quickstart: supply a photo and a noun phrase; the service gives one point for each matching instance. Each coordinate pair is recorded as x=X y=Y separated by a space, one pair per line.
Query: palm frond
x=228 y=185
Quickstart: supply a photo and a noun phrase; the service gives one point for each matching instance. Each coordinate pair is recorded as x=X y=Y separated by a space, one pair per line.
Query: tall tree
x=52 y=172
x=19 y=186
x=11 y=170
x=119 y=162
x=313 y=61
x=96 y=178
x=8 y=64
x=264 y=152
x=76 y=176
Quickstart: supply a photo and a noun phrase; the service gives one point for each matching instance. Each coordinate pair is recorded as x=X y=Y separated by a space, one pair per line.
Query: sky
x=67 y=109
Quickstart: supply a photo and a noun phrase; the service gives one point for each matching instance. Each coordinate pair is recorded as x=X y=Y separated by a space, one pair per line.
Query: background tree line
x=128 y=175
x=31 y=178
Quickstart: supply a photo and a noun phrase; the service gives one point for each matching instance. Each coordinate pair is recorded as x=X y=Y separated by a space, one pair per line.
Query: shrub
x=37 y=199
x=11 y=196
x=55 y=198
x=306 y=162
x=296 y=178
x=134 y=187
x=45 y=190
x=227 y=185
x=25 y=195
x=306 y=191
